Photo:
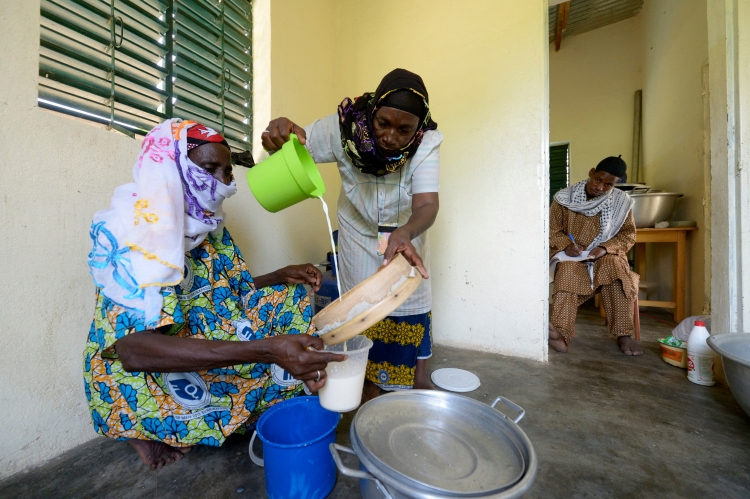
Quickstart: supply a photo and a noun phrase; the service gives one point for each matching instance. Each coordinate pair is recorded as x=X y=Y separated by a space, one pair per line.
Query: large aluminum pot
x=425 y=444
x=734 y=349
x=650 y=208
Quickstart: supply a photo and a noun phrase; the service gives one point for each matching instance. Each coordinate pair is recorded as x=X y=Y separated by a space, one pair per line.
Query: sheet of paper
x=562 y=257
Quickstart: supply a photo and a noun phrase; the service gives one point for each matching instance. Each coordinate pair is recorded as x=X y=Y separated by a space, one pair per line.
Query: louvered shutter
x=134 y=63
x=104 y=60
x=559 y=162
x=212 y=66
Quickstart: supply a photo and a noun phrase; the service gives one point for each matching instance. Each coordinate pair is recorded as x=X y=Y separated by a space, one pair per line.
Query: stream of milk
x=333 y=246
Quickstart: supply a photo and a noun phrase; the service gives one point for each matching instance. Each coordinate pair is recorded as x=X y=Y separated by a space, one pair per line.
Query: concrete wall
x=593 y=79
x=484 y=64
x=729 y=68
x=55 y=173
x=294 y=56
x=674 y=48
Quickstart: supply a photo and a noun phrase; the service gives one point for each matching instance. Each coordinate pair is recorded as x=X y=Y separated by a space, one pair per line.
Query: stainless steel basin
x=631 y=187
x=650 y=208
x=734 y=349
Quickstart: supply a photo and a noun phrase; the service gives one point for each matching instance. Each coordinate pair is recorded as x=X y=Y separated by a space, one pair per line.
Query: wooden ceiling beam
x=562 y=22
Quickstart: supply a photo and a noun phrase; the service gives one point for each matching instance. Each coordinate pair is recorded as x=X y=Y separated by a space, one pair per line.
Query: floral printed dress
x=217 y=300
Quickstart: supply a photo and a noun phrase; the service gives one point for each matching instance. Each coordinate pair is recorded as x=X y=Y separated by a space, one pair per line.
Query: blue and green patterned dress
x=217 y=300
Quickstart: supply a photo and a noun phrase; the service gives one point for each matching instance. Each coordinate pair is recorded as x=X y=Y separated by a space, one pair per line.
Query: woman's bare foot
x=556 y=340
x=157 y=454
x=421 y=380
x=370 y=390
x=628 y=346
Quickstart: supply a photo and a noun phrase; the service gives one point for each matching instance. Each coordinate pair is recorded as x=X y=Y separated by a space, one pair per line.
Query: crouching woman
x=186 y=347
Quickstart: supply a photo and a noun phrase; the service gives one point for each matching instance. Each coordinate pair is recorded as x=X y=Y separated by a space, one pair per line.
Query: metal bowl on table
x=633 y=187
x=424 y=444
x=734 y=349
x=650 y=208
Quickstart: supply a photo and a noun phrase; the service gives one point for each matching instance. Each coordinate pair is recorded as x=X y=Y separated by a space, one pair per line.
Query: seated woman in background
x=186 y=347
x=593 y=216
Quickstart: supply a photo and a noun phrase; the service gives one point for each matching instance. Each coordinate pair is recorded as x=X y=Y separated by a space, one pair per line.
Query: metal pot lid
x=440 y=442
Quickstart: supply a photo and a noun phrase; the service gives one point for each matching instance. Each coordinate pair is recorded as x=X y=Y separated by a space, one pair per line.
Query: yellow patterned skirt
x=398 y=342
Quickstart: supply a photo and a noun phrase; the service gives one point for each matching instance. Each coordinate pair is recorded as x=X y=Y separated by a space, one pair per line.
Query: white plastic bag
x=682 y=331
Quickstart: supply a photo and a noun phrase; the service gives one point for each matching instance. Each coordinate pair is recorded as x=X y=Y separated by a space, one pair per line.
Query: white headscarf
x=613 y=207
x=139 y=243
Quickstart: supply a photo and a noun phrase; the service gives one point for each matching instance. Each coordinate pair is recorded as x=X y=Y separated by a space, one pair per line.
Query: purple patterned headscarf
x=355 y=121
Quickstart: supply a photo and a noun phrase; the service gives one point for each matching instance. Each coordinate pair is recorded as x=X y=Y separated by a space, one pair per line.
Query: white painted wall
x=729 y=76
x=593 y=79
x=292 y=79
x=675 y=46
x=55 y=172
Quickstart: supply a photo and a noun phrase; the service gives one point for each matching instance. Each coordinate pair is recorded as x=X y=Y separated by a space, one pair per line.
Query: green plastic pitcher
x=286 y=177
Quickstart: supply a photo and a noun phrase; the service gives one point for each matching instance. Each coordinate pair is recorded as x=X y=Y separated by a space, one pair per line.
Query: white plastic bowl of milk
x=343 y=389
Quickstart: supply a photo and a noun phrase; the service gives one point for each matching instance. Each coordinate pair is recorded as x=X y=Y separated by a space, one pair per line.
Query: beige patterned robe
x=612 y=274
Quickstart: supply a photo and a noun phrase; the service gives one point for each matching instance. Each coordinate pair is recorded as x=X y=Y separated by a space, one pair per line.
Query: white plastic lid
x=455 y=380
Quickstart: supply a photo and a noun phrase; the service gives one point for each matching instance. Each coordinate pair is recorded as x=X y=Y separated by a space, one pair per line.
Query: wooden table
x=677 y=235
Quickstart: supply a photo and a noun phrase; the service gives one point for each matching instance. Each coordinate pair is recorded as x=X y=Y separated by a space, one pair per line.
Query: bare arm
x=424 y=210
x=293 y=274
x=154 y=352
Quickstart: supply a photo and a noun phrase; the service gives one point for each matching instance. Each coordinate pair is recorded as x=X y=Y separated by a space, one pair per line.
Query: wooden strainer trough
x=368 y=303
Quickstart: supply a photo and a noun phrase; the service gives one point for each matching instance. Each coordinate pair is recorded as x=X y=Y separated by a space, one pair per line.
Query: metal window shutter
x=212 y=66
x=558 y=169
x=161 y=59
x=105 y=73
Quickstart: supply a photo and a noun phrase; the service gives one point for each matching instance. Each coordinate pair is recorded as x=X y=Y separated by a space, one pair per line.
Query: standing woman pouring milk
x=388 y=153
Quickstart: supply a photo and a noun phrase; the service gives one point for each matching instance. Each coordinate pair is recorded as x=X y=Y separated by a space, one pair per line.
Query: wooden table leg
x=679 y=278
x=640 y=264
x=640 y=260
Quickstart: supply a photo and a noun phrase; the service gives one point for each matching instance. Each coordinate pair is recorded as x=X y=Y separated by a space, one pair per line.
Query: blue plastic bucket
x=296 y=434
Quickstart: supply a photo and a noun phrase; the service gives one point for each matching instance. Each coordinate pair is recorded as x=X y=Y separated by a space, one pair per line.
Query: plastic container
x=700 y=362
x=286 y=177
x=296 y=434
x=683 y=329
x=675 y=356
x=343 y=389
x=328 y=291
x=329 y=288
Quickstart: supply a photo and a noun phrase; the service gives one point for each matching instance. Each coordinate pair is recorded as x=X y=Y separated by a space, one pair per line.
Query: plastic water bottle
x=700 y=362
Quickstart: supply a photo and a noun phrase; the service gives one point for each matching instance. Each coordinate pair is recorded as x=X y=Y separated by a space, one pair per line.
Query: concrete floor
x=603 y=425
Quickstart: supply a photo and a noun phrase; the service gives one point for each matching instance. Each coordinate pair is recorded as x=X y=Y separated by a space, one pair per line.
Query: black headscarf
x=355 y=120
